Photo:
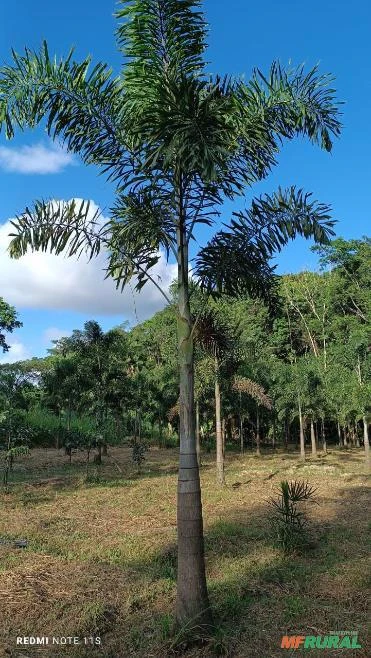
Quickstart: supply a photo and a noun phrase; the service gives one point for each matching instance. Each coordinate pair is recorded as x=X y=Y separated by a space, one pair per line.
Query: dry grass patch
x=101 y=555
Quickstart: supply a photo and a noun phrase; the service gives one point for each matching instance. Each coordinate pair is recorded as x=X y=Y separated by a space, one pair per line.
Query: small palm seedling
x=290 y=524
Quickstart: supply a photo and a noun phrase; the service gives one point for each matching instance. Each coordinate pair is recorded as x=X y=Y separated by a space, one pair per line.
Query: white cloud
x=45 y=281
x=17 y=352
x=53 y=333
x=36 y=159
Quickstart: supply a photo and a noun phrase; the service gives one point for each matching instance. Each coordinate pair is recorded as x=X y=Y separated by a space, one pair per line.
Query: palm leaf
x=82 y=107
x=56 y=227
x=254 y=390
x=237 y=259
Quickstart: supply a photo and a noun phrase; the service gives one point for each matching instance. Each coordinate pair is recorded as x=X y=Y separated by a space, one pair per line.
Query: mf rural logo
x=335 y=640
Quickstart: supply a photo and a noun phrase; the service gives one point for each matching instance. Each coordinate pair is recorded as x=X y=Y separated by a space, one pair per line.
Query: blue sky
x=49 y=294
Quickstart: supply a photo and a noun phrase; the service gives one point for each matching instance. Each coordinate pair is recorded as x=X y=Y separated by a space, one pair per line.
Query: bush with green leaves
x=139 y=452
x=290 y=524
x=16 y=445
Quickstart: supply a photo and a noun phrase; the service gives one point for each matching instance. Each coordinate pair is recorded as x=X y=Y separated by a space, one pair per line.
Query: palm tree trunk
x=356 y=435
x=339 y=433
x=287 y=433
x=302 y=438
x=366 y=441
x=242 y=446
x=192 y=606
x=313 y=439
x=218 y=426
x=323 y=436
x=257 y=432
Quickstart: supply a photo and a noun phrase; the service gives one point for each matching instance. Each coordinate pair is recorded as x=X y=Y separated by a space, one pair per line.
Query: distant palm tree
x=177 y=142
x=219 y=341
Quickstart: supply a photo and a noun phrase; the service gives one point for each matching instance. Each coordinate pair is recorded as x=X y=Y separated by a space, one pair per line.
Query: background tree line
x=292 y=373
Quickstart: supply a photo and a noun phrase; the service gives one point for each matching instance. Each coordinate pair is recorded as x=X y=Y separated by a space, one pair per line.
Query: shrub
x=139 y=452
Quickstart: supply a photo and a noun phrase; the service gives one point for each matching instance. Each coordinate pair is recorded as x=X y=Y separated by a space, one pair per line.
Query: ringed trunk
x=192 y=605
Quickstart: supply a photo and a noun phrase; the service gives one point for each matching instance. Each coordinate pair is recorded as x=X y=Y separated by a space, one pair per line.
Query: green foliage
x=165 y=129
x=290 y=524
x=8 y=322
x=255 y=236
x=139 y=449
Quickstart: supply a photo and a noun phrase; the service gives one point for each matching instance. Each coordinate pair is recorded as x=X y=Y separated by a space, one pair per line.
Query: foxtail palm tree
x=177 y=142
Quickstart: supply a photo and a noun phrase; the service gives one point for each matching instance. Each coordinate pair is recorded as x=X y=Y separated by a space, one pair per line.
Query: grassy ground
x=101 y=561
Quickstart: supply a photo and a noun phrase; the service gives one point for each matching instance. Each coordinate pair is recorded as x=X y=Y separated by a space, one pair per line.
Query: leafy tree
x=350 y=265
x=8 y=322
x=178 y=142
x=87 y=369
x=14 y=383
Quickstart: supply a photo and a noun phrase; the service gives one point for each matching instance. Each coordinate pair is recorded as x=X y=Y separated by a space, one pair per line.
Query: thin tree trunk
x=192 y=606
x=323 y=436
x=218 y=426
x=139 y=425
x=287 y=434
x=302 y=438
x=224 y=437
x=198 y=444
x=69 y=411
x=160 y=434
x=57 y=442
x=257 y=432
x=242 y=446
x=366 y=441
x=365 y=424
x=313 y=439
x=339 y=434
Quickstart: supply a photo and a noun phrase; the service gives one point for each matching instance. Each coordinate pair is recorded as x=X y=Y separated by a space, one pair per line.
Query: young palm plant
x=177 y=142
x=290 y=524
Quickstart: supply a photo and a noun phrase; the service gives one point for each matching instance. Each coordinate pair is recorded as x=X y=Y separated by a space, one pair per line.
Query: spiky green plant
x=289 y=522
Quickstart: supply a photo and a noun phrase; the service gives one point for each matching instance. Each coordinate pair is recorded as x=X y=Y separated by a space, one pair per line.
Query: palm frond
x=142 y=223
x=81 y=106
x=213 y=334
x=71 y=227
x=161 y=35
x=238 y=259
x=274 y=220
x=294 y=102
x=254 y=390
